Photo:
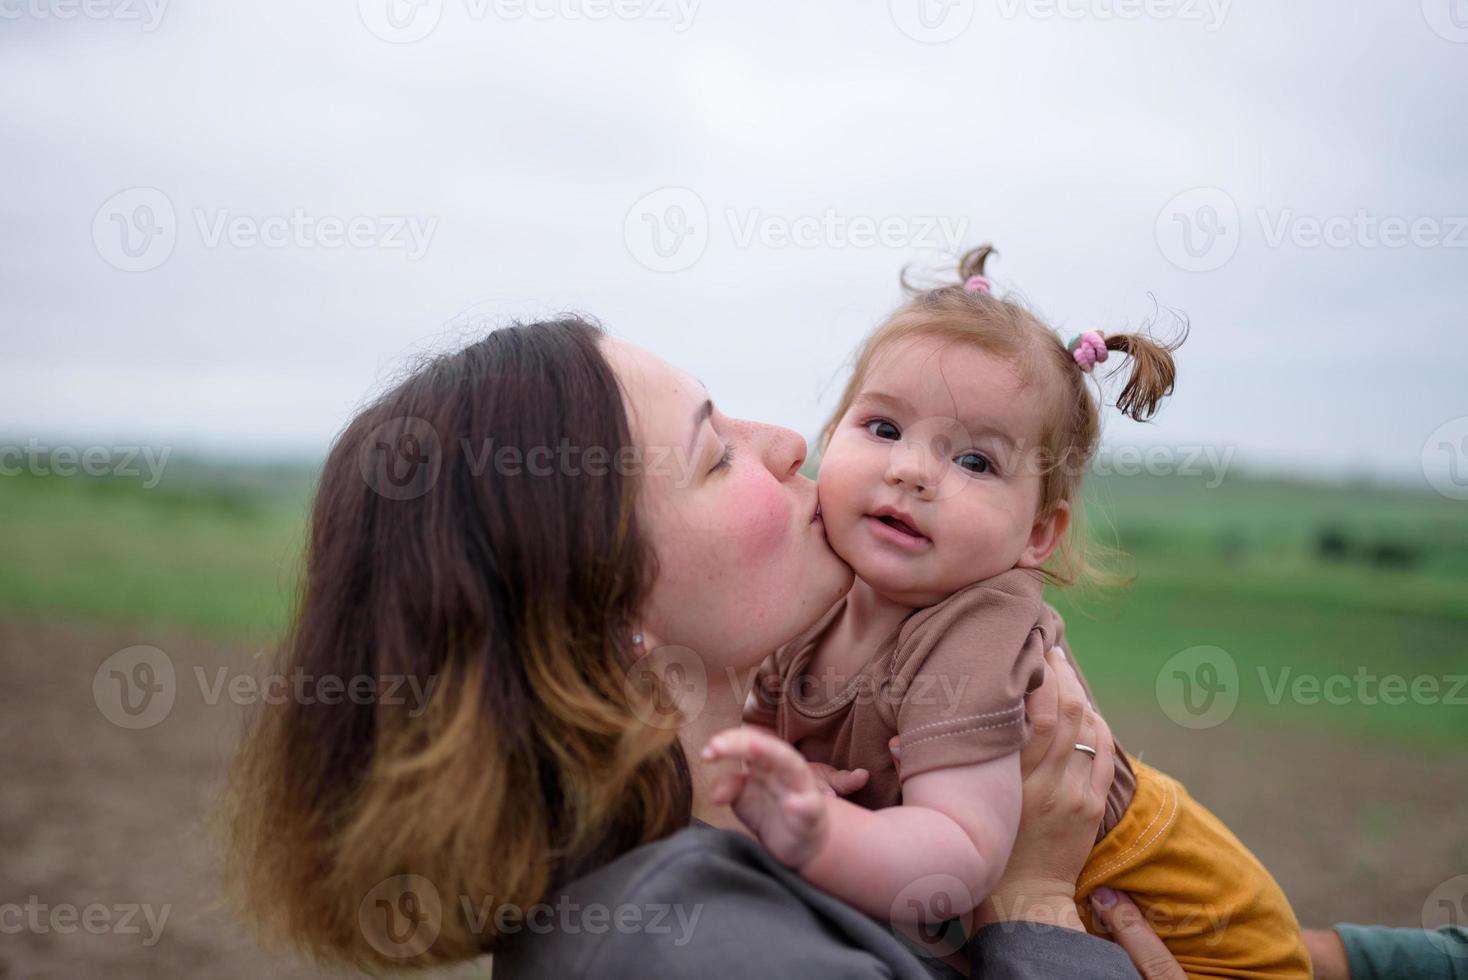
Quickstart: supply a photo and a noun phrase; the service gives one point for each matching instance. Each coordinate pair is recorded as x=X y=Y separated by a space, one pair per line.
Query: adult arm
x=1354 y=952
x=739 y=915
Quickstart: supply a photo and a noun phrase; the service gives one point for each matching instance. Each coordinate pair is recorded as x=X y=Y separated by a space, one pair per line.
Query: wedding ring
x=1089 y=750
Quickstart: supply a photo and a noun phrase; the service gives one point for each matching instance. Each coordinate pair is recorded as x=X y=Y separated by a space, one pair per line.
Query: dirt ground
x=93 y=814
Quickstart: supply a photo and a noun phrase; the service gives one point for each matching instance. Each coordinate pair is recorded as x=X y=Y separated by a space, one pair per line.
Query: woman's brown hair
x=1071 y=429
x=438 y=561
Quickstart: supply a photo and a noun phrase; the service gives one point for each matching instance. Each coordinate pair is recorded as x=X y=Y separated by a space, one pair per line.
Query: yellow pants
x=1216 y=907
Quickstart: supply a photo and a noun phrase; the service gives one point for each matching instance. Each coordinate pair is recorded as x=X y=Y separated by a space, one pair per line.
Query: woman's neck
x=866 y=620
x=722 y=708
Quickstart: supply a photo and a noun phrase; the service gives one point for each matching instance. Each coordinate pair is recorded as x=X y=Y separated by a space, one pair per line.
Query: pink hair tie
x=1088 y=349
x=977 y=284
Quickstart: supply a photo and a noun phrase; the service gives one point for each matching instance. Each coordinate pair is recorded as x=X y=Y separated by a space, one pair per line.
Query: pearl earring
x=637 y=639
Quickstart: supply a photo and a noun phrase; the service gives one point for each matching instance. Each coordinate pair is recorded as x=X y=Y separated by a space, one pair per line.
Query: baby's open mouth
x=899 y=525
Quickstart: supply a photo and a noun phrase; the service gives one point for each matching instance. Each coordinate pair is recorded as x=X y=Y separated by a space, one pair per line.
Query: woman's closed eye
x=725 y=459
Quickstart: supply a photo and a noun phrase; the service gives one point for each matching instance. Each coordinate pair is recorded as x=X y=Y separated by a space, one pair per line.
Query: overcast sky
x=227 y=224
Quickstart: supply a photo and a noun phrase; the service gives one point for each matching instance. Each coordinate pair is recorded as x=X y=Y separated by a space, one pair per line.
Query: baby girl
x=950 y=482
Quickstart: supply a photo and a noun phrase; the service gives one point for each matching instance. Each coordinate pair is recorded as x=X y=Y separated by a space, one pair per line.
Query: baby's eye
x=882 y=429
x=974 y=463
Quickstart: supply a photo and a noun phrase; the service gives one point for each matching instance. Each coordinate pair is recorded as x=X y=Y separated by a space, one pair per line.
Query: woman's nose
x=782 y=450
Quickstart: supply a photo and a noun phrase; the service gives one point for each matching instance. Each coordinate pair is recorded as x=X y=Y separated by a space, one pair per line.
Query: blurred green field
x=1294 y=579
x=215 y=549
x=1322 y=579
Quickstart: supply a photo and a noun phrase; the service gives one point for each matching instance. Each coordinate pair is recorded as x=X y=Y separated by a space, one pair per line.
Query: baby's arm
x=760 y=715
x=935 y=857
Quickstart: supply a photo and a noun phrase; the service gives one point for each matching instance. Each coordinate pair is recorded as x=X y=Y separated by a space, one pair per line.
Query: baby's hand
x=775 y=793
x=838 y=782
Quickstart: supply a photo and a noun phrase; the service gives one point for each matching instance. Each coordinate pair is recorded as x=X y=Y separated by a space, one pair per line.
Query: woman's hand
x=1124 y=922
x=1064 y=788
x=774 y=793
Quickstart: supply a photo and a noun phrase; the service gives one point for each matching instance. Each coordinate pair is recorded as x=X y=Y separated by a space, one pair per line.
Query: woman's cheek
x=760 y=520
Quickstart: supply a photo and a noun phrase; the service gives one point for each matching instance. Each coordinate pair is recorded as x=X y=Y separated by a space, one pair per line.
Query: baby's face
x=941 y=439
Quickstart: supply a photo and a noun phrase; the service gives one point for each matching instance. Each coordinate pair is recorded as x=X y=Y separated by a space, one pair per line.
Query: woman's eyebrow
x=699 y=417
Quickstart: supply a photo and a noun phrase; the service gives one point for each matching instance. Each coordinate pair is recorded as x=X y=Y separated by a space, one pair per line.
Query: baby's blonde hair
x=1071 y=430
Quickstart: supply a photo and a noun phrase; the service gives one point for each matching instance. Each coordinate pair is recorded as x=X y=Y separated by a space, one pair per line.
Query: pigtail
x=1153 y=371
x=971 y=264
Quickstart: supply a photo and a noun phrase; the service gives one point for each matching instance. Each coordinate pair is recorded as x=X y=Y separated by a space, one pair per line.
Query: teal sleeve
x=1380 y=952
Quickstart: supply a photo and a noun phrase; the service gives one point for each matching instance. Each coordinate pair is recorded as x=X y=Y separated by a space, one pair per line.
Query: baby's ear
x=1045 y=536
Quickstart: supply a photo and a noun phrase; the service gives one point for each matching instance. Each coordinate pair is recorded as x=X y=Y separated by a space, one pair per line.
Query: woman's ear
x=1045 y=536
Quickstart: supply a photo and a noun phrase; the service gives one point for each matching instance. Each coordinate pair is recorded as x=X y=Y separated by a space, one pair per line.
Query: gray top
x=712 y=905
